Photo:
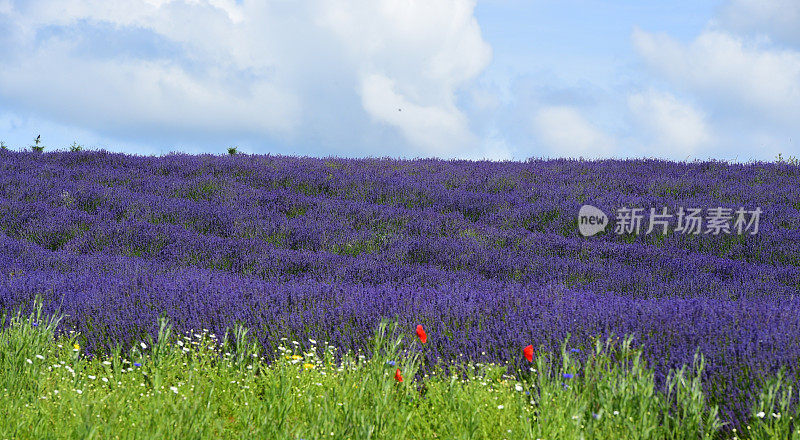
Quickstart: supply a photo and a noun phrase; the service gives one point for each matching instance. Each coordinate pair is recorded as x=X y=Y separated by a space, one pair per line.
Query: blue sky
x=498 y=79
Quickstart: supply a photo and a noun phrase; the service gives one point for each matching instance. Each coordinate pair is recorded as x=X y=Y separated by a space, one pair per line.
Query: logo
x=718 y=220
x=591 y=220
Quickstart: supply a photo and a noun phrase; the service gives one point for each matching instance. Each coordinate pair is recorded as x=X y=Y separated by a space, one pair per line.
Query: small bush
x=36 y=147
x=233 y=151
x=75 y=147
x=791 y=160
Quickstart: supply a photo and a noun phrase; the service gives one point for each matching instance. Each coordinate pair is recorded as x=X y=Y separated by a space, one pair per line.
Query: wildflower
x=567 y=376
x=174 y=389
x=312 y=341
x=35 y=324
x=40 y=357
x=137 y=364
x=308 y=366
x=76 y=347
x=596 y=416
x=518 y=387
x=760 y=414
x=777 y=416
x=574 y=350
x=28 y=361
x=500 y=406
x=423 y=337
x=397 y=376
x=104 y=379
x=106 y=363
x=92 y=377
x=390 y=363
x=143 y=345
x=528 y=352
x=79 y=391
x=297 y=357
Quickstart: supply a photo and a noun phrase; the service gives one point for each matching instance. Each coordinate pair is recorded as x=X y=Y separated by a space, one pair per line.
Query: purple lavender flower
x=300 y=247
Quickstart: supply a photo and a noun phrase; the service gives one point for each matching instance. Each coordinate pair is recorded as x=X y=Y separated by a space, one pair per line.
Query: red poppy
x=423 y=337
x=397 y=376
x=528 y=352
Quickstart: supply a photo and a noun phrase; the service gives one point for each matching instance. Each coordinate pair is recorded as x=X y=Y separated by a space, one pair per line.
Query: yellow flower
x=76 y=347
x=296 y=357
x=309 y=366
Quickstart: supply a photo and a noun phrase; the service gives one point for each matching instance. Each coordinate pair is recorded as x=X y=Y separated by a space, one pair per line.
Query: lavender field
x=486 y=255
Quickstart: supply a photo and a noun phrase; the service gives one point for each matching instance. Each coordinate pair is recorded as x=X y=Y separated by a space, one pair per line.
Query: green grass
x=199 y=385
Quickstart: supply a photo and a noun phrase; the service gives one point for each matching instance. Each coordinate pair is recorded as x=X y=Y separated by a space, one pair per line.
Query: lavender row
x=744 y=341
x=155 y=197
x=600 y=266
x=649 y=183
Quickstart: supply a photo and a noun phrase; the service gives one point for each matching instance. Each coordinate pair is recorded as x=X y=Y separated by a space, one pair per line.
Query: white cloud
x=729 y=70
x=678 y=128
x=567 y=133
x=494 y=147
x=438 y=130
x=484 y=100
x=268 y=69
x=778 y=18
x=404 y=80
x=146 y=94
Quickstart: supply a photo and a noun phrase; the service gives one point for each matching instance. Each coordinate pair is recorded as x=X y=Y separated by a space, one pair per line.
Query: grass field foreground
x=199 y=385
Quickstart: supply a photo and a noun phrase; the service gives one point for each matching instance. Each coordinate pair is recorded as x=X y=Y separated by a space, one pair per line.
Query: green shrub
x=37 y=147
x=791 y=160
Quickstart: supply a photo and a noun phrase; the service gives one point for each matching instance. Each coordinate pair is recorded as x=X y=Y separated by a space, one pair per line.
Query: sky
x=493 y=79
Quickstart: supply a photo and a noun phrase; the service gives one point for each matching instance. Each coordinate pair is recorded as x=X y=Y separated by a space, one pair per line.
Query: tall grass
x=199 y=385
